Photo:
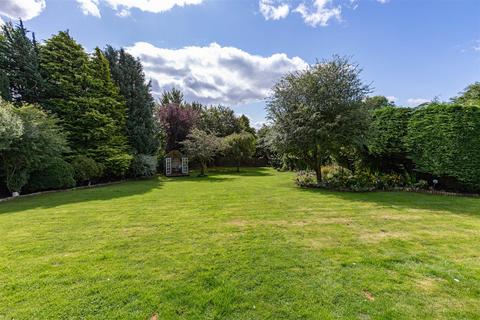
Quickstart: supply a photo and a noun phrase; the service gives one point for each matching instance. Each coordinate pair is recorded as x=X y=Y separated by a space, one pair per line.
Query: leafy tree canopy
x=240 y=146
x=377 y=102
x=177 y=121
x=31 y=148
x=471 y=95
x=318 y=112
x=202 y=146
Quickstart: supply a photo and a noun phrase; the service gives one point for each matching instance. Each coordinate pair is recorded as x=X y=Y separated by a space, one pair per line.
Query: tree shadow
x=244 y=171
x=208 y=178
x=221 y=174
x=409 y=200
x=94 y=193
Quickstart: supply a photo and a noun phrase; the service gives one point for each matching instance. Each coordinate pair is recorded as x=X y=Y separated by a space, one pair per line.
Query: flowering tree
x=202 y=146
x=176 y=121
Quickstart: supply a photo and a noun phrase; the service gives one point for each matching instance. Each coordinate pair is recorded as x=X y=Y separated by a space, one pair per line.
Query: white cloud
x=214 y=74
x=417 y=101
x=392 y=98
x=89 y=7
x=320 y=13
x=123 y=13
x=476 y=46
x=259 y=124
x=24 y=9
x=314 y=12
x=123 y=7
x=273 y=10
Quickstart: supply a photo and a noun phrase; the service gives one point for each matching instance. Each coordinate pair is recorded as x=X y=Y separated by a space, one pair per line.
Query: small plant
x=305 y=178
x=143 y=165
x=86 y=169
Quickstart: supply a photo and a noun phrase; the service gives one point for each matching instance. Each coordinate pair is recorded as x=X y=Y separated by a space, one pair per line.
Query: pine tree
x=64 y=66
x=19 y=65
x=81 y=93
x=127 y=73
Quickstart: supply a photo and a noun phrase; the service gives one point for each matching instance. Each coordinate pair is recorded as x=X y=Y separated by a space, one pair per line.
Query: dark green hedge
x=386 y=138
x=444 y=140
x=57 y=174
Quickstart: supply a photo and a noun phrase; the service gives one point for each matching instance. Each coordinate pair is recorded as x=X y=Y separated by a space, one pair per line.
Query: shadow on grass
x=221 y=174
x=244 y=171
x=95 y=193
x=208 y=178
x=409 y=200
x=122 y=189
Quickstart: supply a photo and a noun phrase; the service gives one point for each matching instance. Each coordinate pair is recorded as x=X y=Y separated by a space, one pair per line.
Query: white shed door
x=184 y=165
x=168 y=166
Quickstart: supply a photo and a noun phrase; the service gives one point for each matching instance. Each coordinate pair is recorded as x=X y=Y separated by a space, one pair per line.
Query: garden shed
x=176 y=164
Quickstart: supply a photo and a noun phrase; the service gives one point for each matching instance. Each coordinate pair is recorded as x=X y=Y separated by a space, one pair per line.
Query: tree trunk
x=318 y=172
x=202 y=169
x=238 y=165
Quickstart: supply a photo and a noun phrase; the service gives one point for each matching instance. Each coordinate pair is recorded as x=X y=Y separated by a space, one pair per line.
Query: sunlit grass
x=238 y=246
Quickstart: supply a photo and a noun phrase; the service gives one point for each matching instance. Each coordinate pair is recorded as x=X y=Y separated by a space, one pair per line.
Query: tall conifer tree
x=127 y=73
x=80 y=91
x=20 y=78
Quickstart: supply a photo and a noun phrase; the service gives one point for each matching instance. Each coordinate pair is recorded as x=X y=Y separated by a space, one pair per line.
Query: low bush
x=115 y=162
x=143 y=165
x=86 y=169
x=338 y=178
x=57 y=174
x=305 y=178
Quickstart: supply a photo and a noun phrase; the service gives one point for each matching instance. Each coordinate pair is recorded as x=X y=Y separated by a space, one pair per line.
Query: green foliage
x=20 y=76
x=41 y=139
x=377 y=102
x=86 y=169
x=127 y=73
x=64 y=66
x=56 y=174
x=245 y=124
x=338 y=178
x=173 y=96
x=470 y=96
x=444 y=140
x=219 y=120
x=87 y=101
x=386 y=138
x=317 y=113
x=305 y=178
x=240 y=146
x=115 y=162
x=15 y=179
x=144 y=165
x=4 y=86
x=11 y=126
x=388 y=129
x=202 y=146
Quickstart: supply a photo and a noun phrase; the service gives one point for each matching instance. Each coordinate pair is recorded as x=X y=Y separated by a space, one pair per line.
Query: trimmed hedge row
x=442 y=140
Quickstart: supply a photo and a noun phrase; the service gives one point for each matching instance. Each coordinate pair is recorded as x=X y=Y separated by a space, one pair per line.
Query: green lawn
x=238 y=246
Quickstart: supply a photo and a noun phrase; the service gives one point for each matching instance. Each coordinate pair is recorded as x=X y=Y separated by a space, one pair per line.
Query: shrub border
x=411 y=190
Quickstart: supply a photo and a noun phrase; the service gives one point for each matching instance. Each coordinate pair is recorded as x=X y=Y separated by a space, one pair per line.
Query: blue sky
x=231 y=51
